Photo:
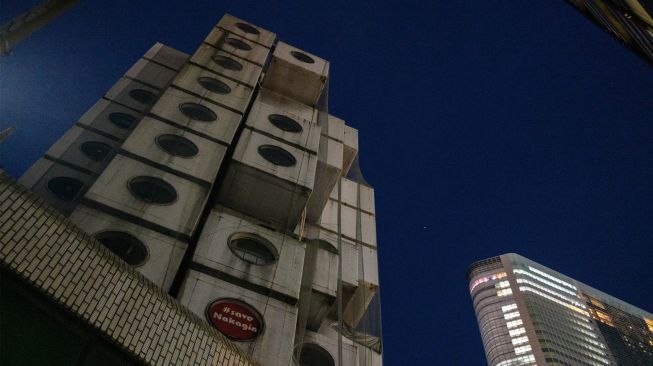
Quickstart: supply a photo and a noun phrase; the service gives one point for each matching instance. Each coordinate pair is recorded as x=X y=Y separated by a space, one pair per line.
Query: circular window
x=238 y=44
x=227 y=63
x=214 y=85
x=177 y=145
x=247 y=28
x=276 y=155
x=252 y=248
x=124 y=245
x=285 y=123
x=310 y=354
x=95 y=150
x=198 y=112
x=122 y=120
x=301 y=56
x=323 y=244
x=65 y=188
x=142 y=96
x=152 y=190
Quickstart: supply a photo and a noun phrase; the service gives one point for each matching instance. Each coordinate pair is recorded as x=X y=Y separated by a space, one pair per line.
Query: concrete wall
x=112 y=190
x=284 y=275
x=203 y=166
x=257 y=187
x=274 y=346
x=236 y=99
x=222 y=129
x=296 y=74
x=70 y=269
x=236 y=68
x=164 y=252
x=235 y=25
x=238 y=45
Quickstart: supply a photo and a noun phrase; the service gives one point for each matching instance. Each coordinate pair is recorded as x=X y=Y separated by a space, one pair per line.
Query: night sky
x=486 y=127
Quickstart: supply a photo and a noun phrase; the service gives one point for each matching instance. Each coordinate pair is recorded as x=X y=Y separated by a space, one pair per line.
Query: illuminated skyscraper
x=207 y=210
x=630 y=21
x=529 y=314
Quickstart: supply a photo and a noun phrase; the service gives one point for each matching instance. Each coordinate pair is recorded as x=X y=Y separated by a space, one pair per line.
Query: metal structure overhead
x=22 y=26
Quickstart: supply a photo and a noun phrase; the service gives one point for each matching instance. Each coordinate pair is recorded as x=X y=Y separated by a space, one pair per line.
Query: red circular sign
x=235 y=319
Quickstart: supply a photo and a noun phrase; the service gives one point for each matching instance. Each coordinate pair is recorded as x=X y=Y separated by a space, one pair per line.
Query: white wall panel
x=112 y=189
x=164 y=252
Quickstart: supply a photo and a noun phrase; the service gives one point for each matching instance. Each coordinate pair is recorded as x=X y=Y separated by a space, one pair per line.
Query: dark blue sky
x=485 y=127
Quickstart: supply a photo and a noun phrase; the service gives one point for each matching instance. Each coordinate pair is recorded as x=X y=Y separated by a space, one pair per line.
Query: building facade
x=222 y=184
x=630 y=21
x=529 y=314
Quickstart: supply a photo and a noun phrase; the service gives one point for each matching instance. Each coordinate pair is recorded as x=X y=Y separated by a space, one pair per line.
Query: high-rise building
x=207 y=210
x=630 y=21
x=529 y=314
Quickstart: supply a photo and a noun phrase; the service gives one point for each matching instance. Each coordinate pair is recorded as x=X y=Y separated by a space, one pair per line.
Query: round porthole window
x=142 y=96
x=122 y=120
x=238 y=44
x=301 y=56
x=124 y=245
x=152 y=190
x=177 y=145
x=95 y=150
x=227 y=62
x=285 y=123
x=323 y=244
x=252 y=248
x=247 y=28
x=214 y=85
x=310 y=354
x=198 y=112
x=65 y=188
x=276 y=155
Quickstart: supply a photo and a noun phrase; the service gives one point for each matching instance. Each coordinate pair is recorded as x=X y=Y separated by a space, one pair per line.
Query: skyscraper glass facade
x=531 y=315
